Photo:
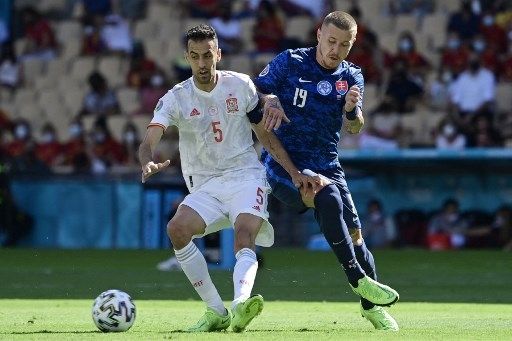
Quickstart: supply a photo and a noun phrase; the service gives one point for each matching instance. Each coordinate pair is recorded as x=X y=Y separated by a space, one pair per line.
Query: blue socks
x=365 y=258
x=329 y=215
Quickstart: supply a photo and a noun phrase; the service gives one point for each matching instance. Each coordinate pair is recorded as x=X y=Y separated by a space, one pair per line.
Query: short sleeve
x=165 y=113
x=273 y=74
x=359 y=81
x=251 y=96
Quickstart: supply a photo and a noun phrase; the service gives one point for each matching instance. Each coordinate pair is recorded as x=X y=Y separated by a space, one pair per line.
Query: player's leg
x=377 y=315
x=249 y=206
x=329 y=212
x=185 y=224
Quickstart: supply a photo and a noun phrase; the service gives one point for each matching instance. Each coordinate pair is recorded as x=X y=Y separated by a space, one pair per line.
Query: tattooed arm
x=273 y=112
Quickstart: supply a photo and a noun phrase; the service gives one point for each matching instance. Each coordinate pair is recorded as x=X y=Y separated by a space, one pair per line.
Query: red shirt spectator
x=268 y=31
x=49 y=150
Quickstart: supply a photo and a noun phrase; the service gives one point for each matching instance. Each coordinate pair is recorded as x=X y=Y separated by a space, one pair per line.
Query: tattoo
x=274 y=103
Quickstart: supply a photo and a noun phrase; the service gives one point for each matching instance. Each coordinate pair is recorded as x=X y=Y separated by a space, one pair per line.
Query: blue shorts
x=285 y=191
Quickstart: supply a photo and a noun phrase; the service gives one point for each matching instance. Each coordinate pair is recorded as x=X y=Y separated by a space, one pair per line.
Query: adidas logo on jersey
x=257 y=208
x=195 y=112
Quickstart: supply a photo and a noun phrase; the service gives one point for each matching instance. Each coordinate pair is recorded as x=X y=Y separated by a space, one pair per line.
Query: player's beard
x=204 y=78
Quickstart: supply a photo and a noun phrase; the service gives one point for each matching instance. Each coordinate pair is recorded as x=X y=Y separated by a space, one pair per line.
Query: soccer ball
x=113 y=311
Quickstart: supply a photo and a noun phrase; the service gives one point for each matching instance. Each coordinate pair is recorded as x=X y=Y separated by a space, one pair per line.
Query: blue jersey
x=313 y=98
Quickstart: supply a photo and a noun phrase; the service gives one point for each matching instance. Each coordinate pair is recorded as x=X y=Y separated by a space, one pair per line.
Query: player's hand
x=354 y=126
x=273 y=113
x=305 y=181
x=151 y=168
x=352 y=97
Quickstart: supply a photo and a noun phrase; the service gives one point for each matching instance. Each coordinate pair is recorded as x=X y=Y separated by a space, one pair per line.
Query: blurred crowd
x=447 y=228
x=79 y=78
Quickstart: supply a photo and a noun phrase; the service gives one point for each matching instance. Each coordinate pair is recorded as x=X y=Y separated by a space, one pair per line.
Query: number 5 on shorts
x=259 y=196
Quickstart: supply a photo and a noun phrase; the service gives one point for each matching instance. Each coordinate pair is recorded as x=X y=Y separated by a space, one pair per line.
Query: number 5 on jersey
x=217 y=132
x=299 y=99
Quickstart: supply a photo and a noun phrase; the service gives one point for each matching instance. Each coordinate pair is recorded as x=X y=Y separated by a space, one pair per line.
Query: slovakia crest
x=341 y=86
x=324 y=88
x=232 y=104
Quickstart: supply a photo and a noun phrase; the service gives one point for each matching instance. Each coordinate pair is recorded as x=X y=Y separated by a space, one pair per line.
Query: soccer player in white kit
x=214 y=111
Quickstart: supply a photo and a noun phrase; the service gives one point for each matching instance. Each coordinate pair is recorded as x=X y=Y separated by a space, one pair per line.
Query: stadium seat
x=71 y=49
x=504 y=97
x=371 y=97
x=24 y=96
x=129 y=100
x=56 y=68
x=299 y=27
x=406 y=23
x=19 y=46
x=141 y=122
x=239 y=63
x=30 y=112
x=73 y=100
x=145 y=29
x=32 y=69
x=116 y=125
x=434 y=27
x=247 y=26
x=110 y=67
x=191 y=22
x=168 y=29
x=82 y=68
x=68 y=30
x=159 y=11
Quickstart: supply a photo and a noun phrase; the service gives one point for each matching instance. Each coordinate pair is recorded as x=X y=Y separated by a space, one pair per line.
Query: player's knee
x=308 y=196
x=329 y=198
x=178 y=233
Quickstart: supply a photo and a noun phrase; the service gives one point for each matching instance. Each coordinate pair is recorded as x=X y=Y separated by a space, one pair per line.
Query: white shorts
x=220 y=200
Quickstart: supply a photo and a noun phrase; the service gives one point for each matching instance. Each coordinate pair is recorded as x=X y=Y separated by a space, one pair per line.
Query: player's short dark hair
x=341 y=20
x=201 y=32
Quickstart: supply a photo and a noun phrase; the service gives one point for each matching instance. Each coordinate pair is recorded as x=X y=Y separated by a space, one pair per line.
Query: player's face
x=203 y=57
x=334 y=44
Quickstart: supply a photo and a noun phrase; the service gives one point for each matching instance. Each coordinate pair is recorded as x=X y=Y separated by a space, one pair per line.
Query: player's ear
x=318 y=33
x=185 y=54
x=219 y=55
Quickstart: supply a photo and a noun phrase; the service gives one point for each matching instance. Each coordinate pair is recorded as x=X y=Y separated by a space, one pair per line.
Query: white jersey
x=215 y=136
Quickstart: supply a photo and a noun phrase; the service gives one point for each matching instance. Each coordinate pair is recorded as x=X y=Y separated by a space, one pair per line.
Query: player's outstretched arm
x=273 y=113
x=272 y=144
x=146 y=148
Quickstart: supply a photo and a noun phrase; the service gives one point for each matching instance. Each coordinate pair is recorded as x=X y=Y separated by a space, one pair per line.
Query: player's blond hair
x=341 y=20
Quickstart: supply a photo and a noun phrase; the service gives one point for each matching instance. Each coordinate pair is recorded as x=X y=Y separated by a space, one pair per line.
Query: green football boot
x=380 y=318
x=211 y=321
x=244 y=312
x=375 y=292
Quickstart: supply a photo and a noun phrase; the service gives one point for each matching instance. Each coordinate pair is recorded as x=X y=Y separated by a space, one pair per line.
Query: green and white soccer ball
x=113 y=311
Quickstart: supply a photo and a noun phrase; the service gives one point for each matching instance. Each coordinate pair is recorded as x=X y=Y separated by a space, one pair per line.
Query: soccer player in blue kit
x=319 y=92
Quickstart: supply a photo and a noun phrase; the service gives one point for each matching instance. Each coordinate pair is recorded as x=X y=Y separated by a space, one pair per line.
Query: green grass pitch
x=48 y=294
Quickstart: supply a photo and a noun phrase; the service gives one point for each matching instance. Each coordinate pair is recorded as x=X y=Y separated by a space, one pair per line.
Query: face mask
x=75 y=130
x=448 y=130
x=453 y=44
x=47 y=138
x=21 y=131
x=375 y=216
x=100 y=137
x=405 y=45
x=479 y=45
x=446 y=77
x=129 y=137
x=488 y=20
x=157 y=80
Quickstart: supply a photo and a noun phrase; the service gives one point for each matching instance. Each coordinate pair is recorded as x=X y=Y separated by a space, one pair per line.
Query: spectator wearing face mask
x=487 y=53
x=22 y=139
x=448 y=136
x=446 y=229
x=473 y=92
x=406 y=51
x=379 y=231
x=483 y=134
x=49 y=149
x=116 y=35
x=150 y=94
x=465 y=22
x=438 y=98
x=141 y=68
x=130 y=142
x=455 y=54
x=74 y=150
x=494 y=34
x=105 y=150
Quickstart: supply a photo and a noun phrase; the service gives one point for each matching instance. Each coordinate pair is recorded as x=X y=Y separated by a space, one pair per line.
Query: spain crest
x=232 y=104
x=341 y=86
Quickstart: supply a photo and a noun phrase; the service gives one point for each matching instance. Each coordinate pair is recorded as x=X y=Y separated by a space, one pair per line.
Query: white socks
x=194 y=266
x=244 y=274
